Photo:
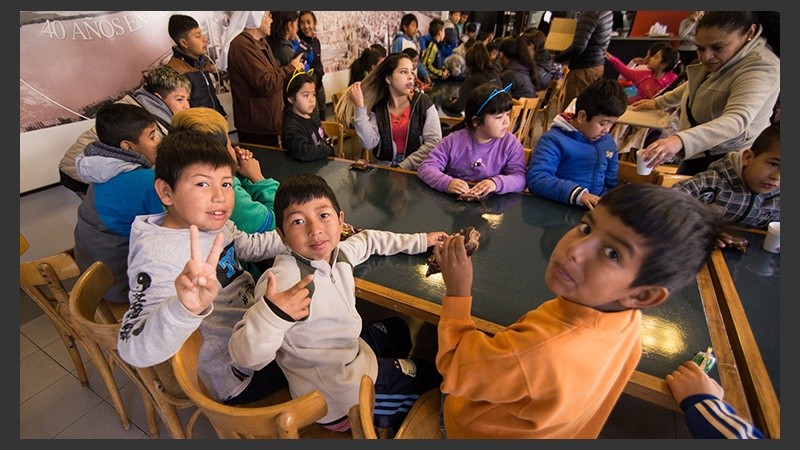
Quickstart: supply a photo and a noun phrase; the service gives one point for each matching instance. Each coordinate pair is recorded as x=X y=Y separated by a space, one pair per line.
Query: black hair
x=379 y=49
x=482 y=35
x=603 y=97
x=679 y=232
x=478 y=61
x=655 y=47
x=300 y=189
x=411 y=52
x=494 y=45
x=474 y=107
x=435 y=27
x=770 y=137
x=303 y=13
x=730 y=21
x=180 y=149
x=117 y=122
x=407 y=20
x=671 y=58
x=293 y=84
x=180 y=25
x=280 y=20
x=363 y=64
x=471 y=28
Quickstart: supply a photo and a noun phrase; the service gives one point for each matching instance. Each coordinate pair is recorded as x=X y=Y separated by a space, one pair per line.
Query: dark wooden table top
x=518 y=230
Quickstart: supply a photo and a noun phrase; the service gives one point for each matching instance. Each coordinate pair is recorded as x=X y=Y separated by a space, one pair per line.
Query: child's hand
x=197 y=285
x=455 y=265
x=689 y=379
x=357 y=94
x=457 y=186
x=436 y=237
x=724 y=239
x=251 y=169
x=297 y=62
x=484 y=187
x=294 y=301
x=647 y=103
x=589 y=200
x=242 y=153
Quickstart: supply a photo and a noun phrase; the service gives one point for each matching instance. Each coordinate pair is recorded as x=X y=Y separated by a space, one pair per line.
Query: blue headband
x=493 y=95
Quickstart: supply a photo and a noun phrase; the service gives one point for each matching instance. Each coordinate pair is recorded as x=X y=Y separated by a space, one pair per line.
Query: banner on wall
x=73 y=61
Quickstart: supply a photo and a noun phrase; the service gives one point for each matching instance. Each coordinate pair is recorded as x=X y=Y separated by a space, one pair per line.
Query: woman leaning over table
x=727 y=99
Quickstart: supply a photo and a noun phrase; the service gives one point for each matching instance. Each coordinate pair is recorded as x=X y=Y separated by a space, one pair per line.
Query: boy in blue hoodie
x=118 y=167
x=576 y=161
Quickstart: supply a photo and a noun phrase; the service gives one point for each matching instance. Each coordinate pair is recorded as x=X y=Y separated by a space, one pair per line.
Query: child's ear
x=645 y=297
x=341 y=217
x=182 y=44
x=280 y=233
x=164 y=192
x=747 y=156
x=126 y=144
x=580 y=116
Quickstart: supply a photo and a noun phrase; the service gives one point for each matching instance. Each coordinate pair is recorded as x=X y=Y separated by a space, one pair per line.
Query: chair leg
x=111 y=384
x=74 y=353
x=169 y=414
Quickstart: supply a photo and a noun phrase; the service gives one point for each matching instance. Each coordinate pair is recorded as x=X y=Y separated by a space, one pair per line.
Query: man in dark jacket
x=585 y=54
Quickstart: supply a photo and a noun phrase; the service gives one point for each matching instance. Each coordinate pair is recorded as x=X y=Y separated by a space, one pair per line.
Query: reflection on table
x=519 y=231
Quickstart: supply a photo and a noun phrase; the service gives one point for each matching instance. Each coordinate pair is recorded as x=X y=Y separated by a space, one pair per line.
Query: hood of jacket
x=100 y=162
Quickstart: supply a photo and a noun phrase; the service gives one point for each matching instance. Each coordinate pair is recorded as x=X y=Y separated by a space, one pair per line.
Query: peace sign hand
x=294 y=301
x=197 y=285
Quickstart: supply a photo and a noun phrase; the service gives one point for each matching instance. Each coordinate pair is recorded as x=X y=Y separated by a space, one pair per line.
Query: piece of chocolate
x=739 y=243
x=360 y=164
x=468 y=197
x=471 y=243
x=349 y=230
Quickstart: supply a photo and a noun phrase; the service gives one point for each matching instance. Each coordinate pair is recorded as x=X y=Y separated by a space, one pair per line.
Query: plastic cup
x=772 y=243
x=641 y=164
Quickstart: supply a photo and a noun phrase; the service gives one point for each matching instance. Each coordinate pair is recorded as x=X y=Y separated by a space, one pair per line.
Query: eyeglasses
x=494 y=93
x=295 y=74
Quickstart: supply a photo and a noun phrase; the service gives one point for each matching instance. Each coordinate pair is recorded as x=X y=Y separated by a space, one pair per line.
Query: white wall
x=40 y=151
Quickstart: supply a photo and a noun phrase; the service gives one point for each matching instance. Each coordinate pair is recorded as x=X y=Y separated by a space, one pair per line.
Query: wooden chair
x=244 y=422
x=527 y=113
x=23 y=244
x=528 y=153
x=44 y=280
x=626 y=173
x=554 y=104
x=160 y=395
x=671 y=178
x=422 y=421
x=336 y=131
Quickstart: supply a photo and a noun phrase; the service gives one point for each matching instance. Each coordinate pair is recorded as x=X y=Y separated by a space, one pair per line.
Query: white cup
x=772 y=243
x=641 y=163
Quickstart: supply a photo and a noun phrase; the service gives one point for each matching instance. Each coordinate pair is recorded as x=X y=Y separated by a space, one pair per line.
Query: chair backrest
x=23 y=244
x=528 y=110
x=671 y=178
x=516 y=109
x=236 y=422
x=528 y=153
x=335 y=130
x=421 y=422
x=362 y=422
x=626 y=173
x=554 y=104
x=335 y=97
x=99 y=325
x=44 y=281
